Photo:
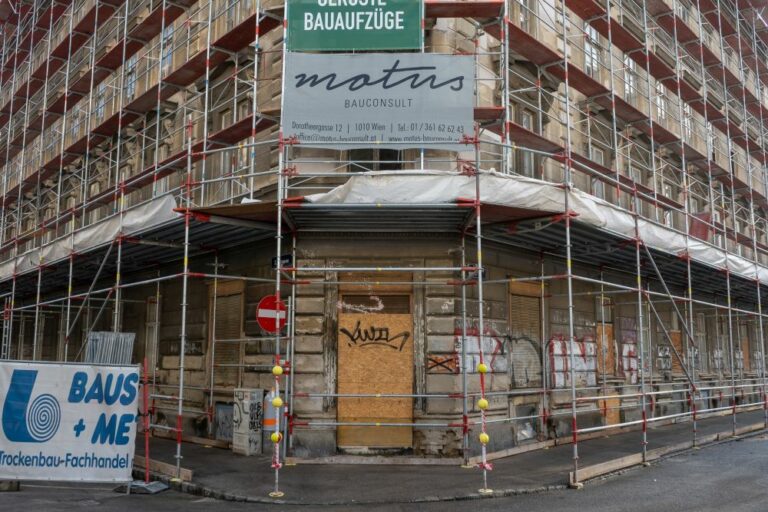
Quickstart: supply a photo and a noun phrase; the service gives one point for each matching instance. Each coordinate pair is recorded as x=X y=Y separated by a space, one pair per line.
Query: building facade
x=600 y=246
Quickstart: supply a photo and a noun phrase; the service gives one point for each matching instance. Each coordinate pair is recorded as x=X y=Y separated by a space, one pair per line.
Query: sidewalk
x=221 y=474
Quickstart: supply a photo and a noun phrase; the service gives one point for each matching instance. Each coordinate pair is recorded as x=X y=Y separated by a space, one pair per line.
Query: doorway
x=375 y=356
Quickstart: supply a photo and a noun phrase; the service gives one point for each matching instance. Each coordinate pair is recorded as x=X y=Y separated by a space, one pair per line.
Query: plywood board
x=612 y=413
x=526 y=288
x=606 y=353
x=375 y=354
x=356 y=282
x=746 y=355
x=677 y=342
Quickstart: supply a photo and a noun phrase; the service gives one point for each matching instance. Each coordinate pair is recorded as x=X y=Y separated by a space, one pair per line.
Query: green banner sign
x=344 y=25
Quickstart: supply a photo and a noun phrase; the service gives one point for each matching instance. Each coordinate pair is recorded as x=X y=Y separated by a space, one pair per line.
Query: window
x=630 y=78
x=683 y=11
x=732 y=162
x=711 y=141
x=95 y=214
x=231 y=14
x=367 y=159
x=527 y=163
x=636 y=174
x=591 y=51
x=687 y=121
x=101 y=100
x=524 y=14
x=661 y=101
x=167 y=49
x=226 y=157
x=130 y=76
x=717 y=220
x=75 y=129
x=597 y=155
x=666 y=191
x=701 y=340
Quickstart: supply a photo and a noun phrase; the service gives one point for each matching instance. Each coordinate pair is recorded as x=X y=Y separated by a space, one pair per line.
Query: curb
x=208 y=492
x=672 y=451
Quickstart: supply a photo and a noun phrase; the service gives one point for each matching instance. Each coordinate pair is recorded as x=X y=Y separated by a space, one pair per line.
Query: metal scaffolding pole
x=612 y=87
x=639 y=324
x=37 y=334
x=507 y=153
x=119 y=181
x=464 y=402
x=206 y=93
x=686 y=123
x=730 y=349
x=278 y=370
x=732 y=170
x=567 y=186
x=254 y=100
x=290 y=354
x=184 y=297
x=544 y=344
x=6 y=174
x=480 y=319
x=213 y=342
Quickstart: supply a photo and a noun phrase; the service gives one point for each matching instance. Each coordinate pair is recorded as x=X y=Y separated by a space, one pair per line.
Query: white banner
x=389 y=100
x=67 y=422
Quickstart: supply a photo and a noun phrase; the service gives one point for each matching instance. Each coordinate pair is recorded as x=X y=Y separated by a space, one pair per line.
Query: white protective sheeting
x=139 y=218
x=434 y=187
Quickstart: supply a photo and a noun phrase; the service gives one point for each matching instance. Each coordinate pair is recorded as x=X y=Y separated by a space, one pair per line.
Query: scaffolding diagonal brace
x=674 y=350
x=671 y=298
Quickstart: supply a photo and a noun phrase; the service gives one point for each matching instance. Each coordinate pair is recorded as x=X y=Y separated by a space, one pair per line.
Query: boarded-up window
x=677 y=342
x=746 y=351
x=525 y=331
x=701 y=342
x=525 y=334
x=606 y=350
x=227 y=327
x=375 y=351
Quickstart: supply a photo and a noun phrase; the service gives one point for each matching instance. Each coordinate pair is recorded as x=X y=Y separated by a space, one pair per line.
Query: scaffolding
x=111 y=110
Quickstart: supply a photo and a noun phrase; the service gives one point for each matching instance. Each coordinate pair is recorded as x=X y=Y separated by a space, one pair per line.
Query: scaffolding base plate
x=485 y=491
x=276 y=494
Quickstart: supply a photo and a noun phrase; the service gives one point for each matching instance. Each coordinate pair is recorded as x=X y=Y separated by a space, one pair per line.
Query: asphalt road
x=730 y=477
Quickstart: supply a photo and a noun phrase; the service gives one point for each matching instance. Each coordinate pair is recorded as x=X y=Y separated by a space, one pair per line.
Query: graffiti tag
x=375 y=336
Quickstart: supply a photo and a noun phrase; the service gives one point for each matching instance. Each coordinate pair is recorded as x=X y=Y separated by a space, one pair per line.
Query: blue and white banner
x=67 y=422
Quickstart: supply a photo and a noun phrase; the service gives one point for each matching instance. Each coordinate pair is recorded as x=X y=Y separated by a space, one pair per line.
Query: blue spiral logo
x=25 y=420
x=43 y=418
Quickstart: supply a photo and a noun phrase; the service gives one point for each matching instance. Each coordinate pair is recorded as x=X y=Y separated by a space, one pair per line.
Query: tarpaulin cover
x=520 y=192
x=138 y=218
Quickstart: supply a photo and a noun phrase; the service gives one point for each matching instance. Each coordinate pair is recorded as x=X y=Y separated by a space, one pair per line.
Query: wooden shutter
x=228 y=326
x=525 y=330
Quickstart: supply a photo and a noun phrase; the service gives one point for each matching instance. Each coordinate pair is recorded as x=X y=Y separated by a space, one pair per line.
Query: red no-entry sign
x=271 y=313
